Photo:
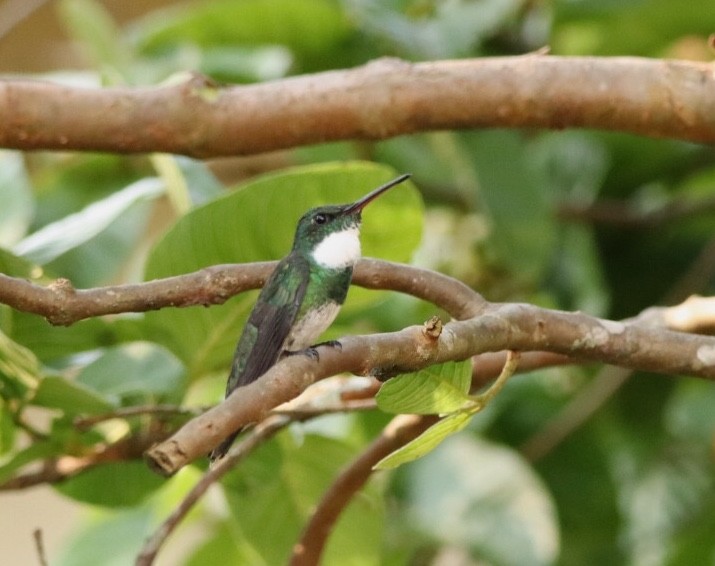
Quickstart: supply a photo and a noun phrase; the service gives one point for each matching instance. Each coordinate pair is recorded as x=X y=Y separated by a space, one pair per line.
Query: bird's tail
x=220 y=451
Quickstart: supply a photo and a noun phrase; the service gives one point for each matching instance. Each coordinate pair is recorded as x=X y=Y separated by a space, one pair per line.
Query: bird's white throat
x=339 y=249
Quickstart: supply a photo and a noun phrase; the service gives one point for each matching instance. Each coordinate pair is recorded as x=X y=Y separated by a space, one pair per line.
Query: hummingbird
x=303 y=295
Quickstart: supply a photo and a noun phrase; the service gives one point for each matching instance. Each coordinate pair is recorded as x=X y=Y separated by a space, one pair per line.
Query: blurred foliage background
x=569 y=466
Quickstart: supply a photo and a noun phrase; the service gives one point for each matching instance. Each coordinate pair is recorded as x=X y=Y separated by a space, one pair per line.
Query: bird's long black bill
x=368 y=198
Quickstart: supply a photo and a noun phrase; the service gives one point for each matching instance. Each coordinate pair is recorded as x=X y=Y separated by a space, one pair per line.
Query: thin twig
x=401 y=430
x=55 y=470
x=40 y=547
x=627 y=215
x=260 y=433
x=350 y=480
x=695 y=314
x=302 y=413
x=575 y=413
x=86 y=422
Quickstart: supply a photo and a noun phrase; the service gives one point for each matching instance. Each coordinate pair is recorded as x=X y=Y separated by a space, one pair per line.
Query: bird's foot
x=330 y=343
x=312 y=351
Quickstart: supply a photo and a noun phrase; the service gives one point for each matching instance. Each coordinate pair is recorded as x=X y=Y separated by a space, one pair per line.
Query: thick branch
x=62 y=304
x=382 y=99
x=498 y=327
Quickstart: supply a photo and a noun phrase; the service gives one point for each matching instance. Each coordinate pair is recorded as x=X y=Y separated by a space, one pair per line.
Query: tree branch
x=399 y=432
x=383 y=99
x=61 y=304
x=56 y=470
x=259 y=434
x=262 y=432
x=498 y=327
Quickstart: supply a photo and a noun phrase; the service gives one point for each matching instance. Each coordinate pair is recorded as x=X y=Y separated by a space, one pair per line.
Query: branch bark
x=383 y=99
x=498 y=327
x=488 y=328
x=61 y=304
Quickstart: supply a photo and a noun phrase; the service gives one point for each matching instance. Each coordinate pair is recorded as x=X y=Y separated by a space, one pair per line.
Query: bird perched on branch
x=303 y=295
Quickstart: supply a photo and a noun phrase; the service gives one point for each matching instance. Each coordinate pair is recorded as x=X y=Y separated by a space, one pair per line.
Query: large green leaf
x=629 y=27
x=90 y=24
x=488 y=501
x=221 y=548
x=7 y=429
x=272 y=493
x=61 y=236
x=690 y=412
x=135 y=369
x=439 y=389
x=444 y=30
x=425 y=442
x=310 y=28
x=39 y=449
x=119 y=484
x=15 y=266
x=20 y=370
x=661 y=495
x=67 y=184
x=514 y=192
x=50 y=343
x=258 y=223
x=72 y=398
x=16 y=200
x=110 y=539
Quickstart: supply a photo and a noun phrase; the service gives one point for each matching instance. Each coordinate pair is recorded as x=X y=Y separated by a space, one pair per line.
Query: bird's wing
x=270 y=322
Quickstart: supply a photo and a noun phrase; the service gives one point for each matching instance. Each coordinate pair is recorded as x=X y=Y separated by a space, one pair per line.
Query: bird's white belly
x=306 y=331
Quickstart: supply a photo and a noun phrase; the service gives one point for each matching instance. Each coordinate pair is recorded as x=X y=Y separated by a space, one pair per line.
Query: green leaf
x=71 y=397
x=425 y=442
x=438 y=389
x=202 y=183
x=66 y=234
x=36 y=451
x=690 y=412
x=445 y=30
x=7 y=429
x=246 y=64
x=50 y=343
x=578 y=279
x=19 y=369
x=666 y=494
x=115 y=537
x=638 y=28
x=135 y=369
x=311 y=28
x=272 y=493
x=119 y=484
x=91 y=25
x=234 y=229
x=514 y=192
x=15 y=266
x=71 y=182
x=221 y=548
x=488 y=500
x=16 y=200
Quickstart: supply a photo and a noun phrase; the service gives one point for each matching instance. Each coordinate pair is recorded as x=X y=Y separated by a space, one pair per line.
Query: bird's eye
x=320 y=218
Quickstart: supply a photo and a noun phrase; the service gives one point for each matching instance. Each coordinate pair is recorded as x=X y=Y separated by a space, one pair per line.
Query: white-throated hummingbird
x=303 y=295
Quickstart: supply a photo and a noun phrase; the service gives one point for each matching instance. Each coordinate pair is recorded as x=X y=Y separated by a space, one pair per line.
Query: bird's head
x=330 y=235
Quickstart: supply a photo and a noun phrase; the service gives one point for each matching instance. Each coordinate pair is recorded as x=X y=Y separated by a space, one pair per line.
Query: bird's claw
x=312 y=351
